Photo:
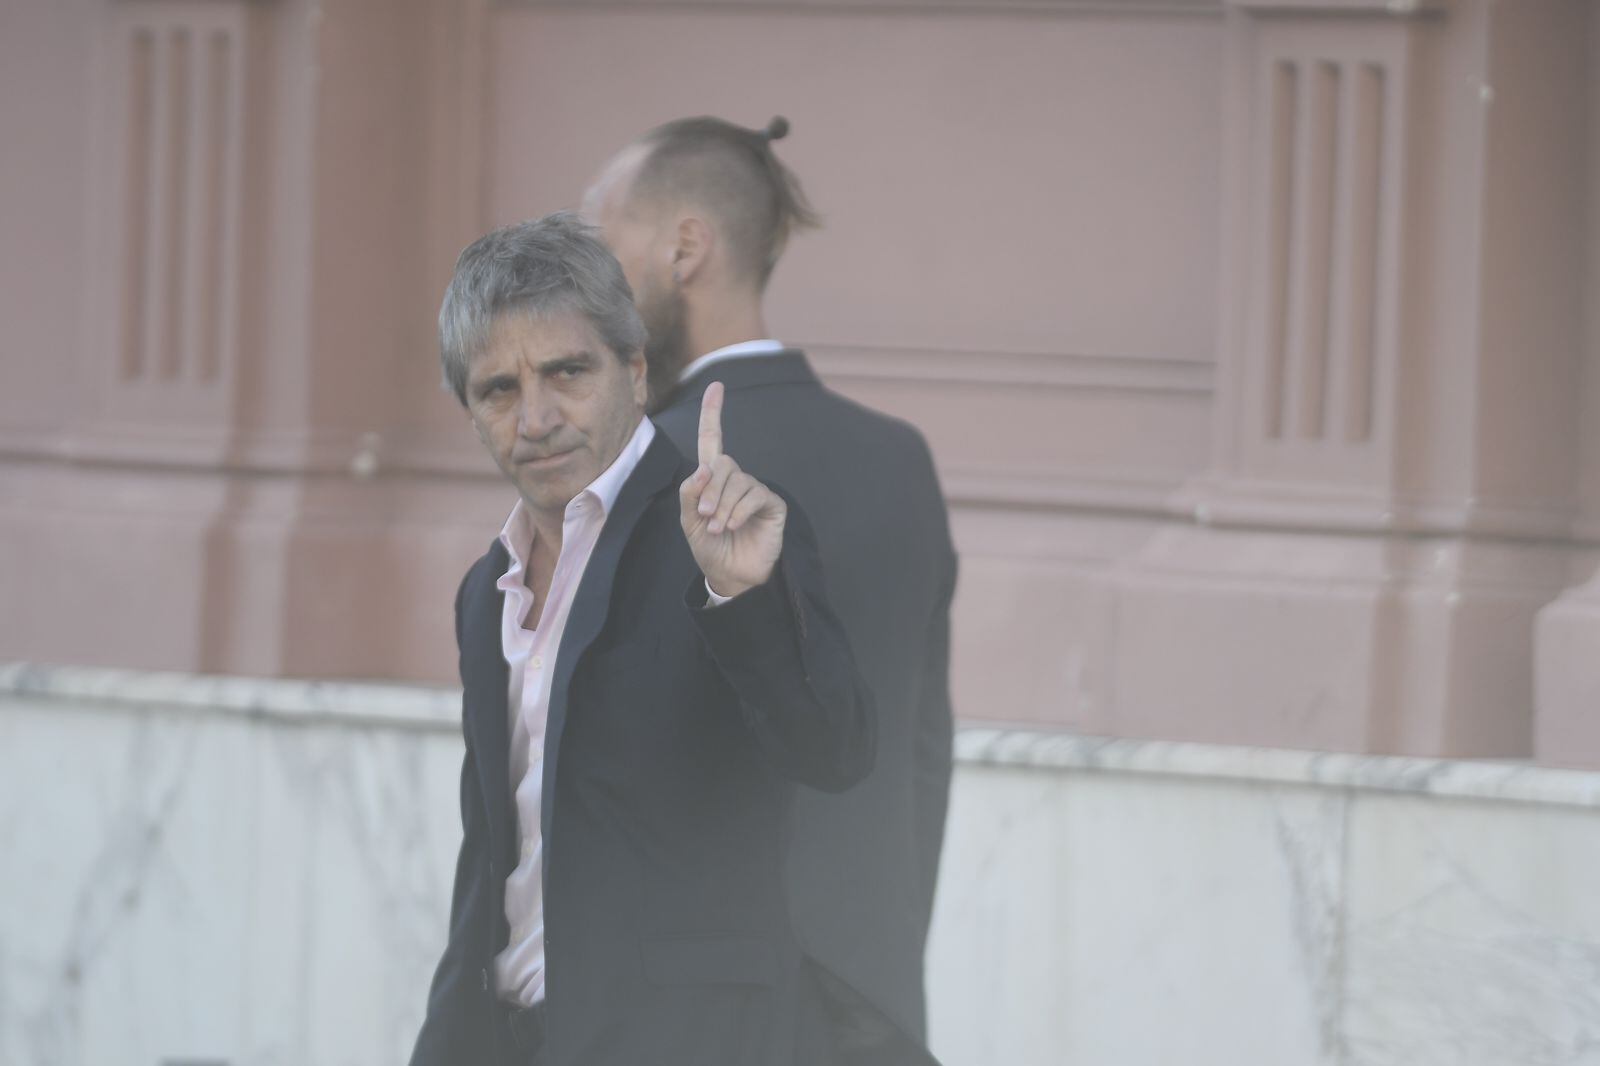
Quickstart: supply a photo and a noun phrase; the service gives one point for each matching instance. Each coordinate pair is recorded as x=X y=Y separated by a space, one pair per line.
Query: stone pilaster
x=1396 y=432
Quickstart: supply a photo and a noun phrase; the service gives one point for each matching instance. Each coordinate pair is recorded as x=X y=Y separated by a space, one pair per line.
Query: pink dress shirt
x=531 y=656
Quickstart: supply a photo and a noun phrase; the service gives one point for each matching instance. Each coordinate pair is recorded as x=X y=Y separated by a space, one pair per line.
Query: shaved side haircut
x=731 y=173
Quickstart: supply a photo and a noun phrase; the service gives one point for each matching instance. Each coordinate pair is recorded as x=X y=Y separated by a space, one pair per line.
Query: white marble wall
x=1146 y=904
x=231 y=885
x=258 y=873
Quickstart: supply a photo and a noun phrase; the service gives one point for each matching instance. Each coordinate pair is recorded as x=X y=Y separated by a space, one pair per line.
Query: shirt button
x=537 y=662
x=527 y=850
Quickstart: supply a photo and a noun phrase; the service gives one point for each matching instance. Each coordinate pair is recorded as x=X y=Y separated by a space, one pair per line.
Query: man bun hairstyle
x=732 y=173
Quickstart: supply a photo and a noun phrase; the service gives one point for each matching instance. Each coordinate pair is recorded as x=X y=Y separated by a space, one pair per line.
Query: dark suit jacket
x=864 y=862
x=673 y=739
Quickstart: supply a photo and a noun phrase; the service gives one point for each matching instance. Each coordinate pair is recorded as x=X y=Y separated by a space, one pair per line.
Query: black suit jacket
x=673 y=739
x=864 y=863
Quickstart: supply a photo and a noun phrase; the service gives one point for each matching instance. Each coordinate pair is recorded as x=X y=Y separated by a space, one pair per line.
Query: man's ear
x=695 y=241
x=640 y=373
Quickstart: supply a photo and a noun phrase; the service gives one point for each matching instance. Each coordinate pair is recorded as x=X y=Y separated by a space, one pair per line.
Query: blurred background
x=1258 y=345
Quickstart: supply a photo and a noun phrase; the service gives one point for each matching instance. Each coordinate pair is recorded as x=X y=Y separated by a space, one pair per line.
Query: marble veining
x=1472 y=935
x=369 y=803
x=129 y=855
x=1311 y=842
x=216 y=886
x=1509 y=989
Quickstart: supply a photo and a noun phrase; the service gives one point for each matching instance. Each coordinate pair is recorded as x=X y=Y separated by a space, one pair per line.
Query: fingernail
x=715 y=526
x=705 y=507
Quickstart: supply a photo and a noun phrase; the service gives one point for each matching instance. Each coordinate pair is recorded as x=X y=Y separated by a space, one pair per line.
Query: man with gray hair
x=699 y=212
x=649 y=666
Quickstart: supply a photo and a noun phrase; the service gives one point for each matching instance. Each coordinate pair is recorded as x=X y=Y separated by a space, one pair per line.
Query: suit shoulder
x=887 y=430
x=897 y=441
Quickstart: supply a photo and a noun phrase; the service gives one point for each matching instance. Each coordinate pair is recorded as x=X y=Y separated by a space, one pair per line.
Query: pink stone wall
x=1255 y=340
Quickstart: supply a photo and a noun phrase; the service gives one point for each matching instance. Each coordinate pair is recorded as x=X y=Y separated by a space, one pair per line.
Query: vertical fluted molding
x=1311 y=264
x=1365 y=189
x=176 y=90
x=1319 y=198
x=135 y=203
x=167 y=284
x=1324 y=128
x=1284 y=95
x=206 y=342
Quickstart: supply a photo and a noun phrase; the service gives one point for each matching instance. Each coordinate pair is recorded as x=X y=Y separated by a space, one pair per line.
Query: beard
x=666 y=347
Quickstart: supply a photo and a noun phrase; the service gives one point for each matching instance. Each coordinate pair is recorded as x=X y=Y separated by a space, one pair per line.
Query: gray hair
x=553 y=263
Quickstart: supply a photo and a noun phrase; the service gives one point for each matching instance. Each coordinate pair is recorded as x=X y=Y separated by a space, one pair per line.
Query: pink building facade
x=1258 y=341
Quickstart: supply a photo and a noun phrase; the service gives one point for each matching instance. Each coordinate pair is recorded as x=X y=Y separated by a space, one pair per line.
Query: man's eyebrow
x=582 y=356
x=493 y=380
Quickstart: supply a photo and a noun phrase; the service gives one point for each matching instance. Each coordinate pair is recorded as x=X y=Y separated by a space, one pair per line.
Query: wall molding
x=1133 y=493
x=1263 y=504
x=1012 y=8
x=1154 y=493
x=1348 y=8
x=193 y=449
x=428 y=455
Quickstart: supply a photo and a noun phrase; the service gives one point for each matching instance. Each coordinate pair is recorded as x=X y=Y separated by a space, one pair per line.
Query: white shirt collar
x=609 y=484
x=517 y=534
x=732 y=351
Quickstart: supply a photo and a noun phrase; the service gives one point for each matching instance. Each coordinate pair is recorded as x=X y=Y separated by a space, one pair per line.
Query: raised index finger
x=711 y=424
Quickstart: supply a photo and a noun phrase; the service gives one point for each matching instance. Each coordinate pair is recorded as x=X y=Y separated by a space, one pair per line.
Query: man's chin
x=548 y=492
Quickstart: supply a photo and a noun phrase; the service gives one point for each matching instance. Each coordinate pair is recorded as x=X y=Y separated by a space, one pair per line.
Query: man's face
x=553 y=404
x=641 y=243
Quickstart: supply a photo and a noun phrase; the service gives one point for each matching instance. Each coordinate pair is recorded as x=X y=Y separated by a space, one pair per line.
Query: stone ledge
x=1502 y=780
x=438 y=709
x=335 y=702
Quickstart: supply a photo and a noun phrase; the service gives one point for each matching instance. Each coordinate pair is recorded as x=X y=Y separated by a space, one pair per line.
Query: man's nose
x=539 y=415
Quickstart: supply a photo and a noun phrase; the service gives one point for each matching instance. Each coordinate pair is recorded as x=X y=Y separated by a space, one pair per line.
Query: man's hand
x=733 y=522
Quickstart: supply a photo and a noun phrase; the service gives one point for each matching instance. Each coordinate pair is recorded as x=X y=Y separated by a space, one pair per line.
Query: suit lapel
x=593 y=599
x=486 y=705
